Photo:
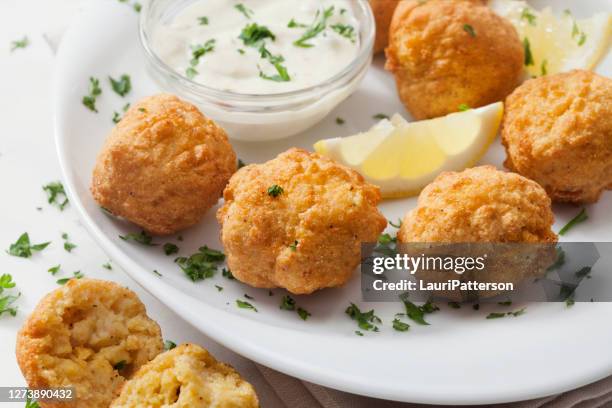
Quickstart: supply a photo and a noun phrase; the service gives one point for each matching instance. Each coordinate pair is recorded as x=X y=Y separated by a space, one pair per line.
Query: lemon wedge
x=557 y=43
x=402 y=158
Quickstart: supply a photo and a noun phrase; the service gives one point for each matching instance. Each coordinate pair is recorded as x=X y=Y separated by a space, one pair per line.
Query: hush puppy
x=90 y=335
x=186 y=377
x=557 y=130
x=297 y=222
x=163 y=166
x=483 y=205
x=447 y=53
x=383 y=13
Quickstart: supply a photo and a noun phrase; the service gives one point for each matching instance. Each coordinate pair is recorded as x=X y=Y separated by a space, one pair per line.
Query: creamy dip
x=260 y=46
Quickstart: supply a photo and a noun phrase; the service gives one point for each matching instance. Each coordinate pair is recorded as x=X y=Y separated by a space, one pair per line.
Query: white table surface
x=27 y=162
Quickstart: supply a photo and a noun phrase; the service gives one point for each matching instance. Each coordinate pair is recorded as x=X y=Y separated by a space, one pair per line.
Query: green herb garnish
x=89 y=100
x=398 y=225
x=559 y=260
x=22 y=247
x=528 y=16
x=169 y=345
x=357 y=332
x=463 y=107
x=107 y=266
x=345 y=30
x=56 y=194
x=118 y=116
x=495 y=315
x=417 y=313
x=380 y=116
x=528 y=55
x=318 y=26
x=203 y=20
x=544 y=67
x=170 y=248
x=191 y=72
x=295 y=24
x=454 y=305
x=23 y=43
x=469 y=29
x=75 y=275
x=199 y=50
x=155 y=271
x=499 y=315
x=303 y=313
x=120 y=365
x=142 y=238
x=226 y=273
x=287 y=303
x=252 y=35
x=137 y=7
x=247 y=12
x=581 y=217
x=245 y=305
x=505 y=303
x=340 y=121
x=201 y=265
x=121 y=86
x=275 y=190
x=31 y=404
x=68 y=246
x=365 y=320
x=219 y=288
x=241 y=164
x=293 y=246
x=54 y=269
x=583 y=272
x=400 y=326
x=276 y=60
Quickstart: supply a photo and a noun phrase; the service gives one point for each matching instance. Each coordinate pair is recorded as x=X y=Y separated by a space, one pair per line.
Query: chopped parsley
x=118 y=116
x=191 y=72
x=226 y=273
x=203 y=20
x=89 y=100
x=17 y=44
x=499 y=315
x=345 y=30
x=528 y=55
x=155 y=271
x=287 y=303
x=559 y=260
x=544 y=67
x=56 y=194
x=380 y=116
x=245 y=305
x=219 y=288
x=505 y=303
x=294 y=24
x=120 y=365
x=463 y=107
x=340 y=121
x=584 y=272
x=247 y=12
x=357 y=332
x=318 y=26
x=107 y=266
x=137 y=7
x=398 y=225
x=293 y=246
x=142 y=238
x=249 y=297
x=386 y=245
x=169 y=345
x=31 y=404
x=469 y=29
x=23 y=248
x=252 y=35
x=496 y=315
x=303 y=313
x=417 y=313
x=201 y=265
x=400 y=326
x=121 y=86
x=68 y=246
x=275 y=190
x=6 y=302
x=577 y=33
x=365 y=320
x=241 y=164
x=454 y=305
x=54 y=269
x=580 y=217
x=569 y=302
x=170 y=248
x=528 y=16
x=75 y=275
x=277 y=61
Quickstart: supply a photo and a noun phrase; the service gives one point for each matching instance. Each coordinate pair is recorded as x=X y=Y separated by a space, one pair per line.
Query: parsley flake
x=202 y=264
x=17 y=44
x=54 y=269
x=247 y=12
x=56 y=194
x=142 y=238
x=528 y=55
x=380 y=116
x=75 y=275
x=203 y=20
x=89 y=100
x=365 y=320
x=400 y=326
x=345 y=30
x=68 y=246
x=528 y=16
x=463 y=107
x=580 y=217
x=287 y=303
x=245 y=305
x=340 y=121
x=303 y=313
x=23 y=248
x=469 y=29
x=170 y=248
x=275 y=190
x=317 y=27
x=121 y=86
x=169 y=345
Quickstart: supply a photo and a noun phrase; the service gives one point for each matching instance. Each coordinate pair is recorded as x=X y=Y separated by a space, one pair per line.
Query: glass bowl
x=252 y=117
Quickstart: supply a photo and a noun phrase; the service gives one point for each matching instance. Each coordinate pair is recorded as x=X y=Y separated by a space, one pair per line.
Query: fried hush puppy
x=383 y=13
x=186 y=377
x=297 y=222
x=163 y=166
x=447 y=53
x=557 y=130
x=89 y=334
x=485 y=205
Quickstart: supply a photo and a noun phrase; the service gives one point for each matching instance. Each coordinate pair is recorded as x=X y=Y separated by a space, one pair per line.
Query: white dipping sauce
x=227 y=63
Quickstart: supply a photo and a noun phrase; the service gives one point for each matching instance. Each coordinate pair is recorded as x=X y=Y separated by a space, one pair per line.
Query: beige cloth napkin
x=300 y=394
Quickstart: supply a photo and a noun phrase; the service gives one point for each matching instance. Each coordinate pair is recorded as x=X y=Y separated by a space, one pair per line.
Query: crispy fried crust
x=186 y=377
x=78 y=333
x=438 y=65
x=383 y=12
x=557 y=130
x=163 y=166
x=307 y=238
x=481 y=204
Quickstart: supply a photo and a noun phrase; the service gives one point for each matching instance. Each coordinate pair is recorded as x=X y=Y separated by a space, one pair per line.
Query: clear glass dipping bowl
x=258 y=117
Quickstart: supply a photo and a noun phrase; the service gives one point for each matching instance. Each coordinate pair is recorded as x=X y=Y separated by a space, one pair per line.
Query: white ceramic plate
x=462 y=358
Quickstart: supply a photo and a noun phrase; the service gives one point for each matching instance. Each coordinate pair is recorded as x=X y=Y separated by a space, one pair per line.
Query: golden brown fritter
x=186 y=377
x=163 y=166
x=447 y=53
x=557 y=130
x=383 y=12
x=308 y=236
x=481 y=204
x=89 y=334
